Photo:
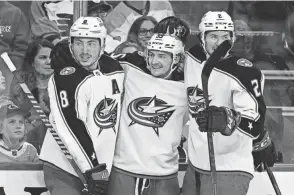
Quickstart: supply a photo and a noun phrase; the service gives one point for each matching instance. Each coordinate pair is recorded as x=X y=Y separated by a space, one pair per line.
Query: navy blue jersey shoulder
x=139 y=61
x=197 y=52
x=244 y=74
x=250 y=78
x=134 y=59
x=109 y=65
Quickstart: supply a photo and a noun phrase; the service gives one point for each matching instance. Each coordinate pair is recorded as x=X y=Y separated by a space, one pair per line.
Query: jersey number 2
x=256 y=88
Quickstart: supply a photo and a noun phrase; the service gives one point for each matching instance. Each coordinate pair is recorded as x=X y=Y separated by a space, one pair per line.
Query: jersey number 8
x=63 y=99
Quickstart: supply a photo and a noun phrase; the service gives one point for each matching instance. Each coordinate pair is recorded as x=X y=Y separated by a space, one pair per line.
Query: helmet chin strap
x=174 y=67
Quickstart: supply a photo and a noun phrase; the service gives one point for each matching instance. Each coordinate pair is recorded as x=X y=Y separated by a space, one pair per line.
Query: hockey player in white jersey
x=235 y=114
x=85 y=100
x=152 y=120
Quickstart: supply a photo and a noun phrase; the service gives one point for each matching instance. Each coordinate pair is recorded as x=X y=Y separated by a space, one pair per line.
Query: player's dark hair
x=72 y=39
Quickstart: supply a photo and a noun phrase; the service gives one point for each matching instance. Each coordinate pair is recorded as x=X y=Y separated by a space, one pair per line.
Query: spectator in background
x=101 y=10
x=288 y=41
x=120 y=19
x=258 y=15
x=126 y=47
x=50 y=19
x=36 y=73
x=13 y=145
x=140 y=32
x=2 y=84
x=14 y=36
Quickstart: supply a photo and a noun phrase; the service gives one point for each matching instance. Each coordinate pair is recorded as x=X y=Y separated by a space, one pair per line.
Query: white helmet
x=215 y=21
x=89 y=27
x=166 y=43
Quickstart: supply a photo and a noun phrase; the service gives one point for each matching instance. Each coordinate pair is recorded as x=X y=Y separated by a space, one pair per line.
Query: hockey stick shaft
x=273 y=179
x=210 y=141
x=44 y=118
x=218 y=54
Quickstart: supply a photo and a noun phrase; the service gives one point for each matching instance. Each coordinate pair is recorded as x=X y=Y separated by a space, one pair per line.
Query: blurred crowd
x=29 y=31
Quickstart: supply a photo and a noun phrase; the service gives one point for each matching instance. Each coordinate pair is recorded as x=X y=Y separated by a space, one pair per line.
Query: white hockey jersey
x=151 y=124
x=85 y=107
x=25 y=153
x=235 y=84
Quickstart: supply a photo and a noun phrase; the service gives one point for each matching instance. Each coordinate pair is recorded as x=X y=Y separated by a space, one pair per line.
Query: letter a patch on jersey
x=244 y=62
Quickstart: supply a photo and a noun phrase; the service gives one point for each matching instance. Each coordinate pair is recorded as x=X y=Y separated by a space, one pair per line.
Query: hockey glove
x=174 y=26
x=98 y=180
x=218 y=119
x=263 y=152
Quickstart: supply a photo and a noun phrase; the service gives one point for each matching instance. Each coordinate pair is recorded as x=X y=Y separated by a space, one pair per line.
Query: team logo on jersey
x=150 y=112
x=244 y=62
x=105 y=114
x=67 y=71
x=195 y=99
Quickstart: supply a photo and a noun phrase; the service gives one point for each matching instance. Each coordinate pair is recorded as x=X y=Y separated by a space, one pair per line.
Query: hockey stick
x=220 y=52
x=45 y=120
x=273 y=179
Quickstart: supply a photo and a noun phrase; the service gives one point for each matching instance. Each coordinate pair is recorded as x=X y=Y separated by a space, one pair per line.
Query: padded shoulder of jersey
x=197 y=53
x=109 y=65
x=136 y=59
x=61 y=56
x=245 y=74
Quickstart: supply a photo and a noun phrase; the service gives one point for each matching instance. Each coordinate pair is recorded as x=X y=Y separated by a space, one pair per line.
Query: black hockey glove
x=97 y=180
x=218 y=119
x=176 y=26
x=263 y=152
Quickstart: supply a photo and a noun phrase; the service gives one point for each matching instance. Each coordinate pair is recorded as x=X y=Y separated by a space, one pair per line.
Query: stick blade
x=219 y=53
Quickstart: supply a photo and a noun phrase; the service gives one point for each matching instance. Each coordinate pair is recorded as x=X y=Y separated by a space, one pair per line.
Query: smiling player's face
x=159 y=63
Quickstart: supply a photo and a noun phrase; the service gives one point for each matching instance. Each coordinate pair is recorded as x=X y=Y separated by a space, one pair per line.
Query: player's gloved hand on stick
x=263 y=152
x=218 y=119
x=97 y=180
